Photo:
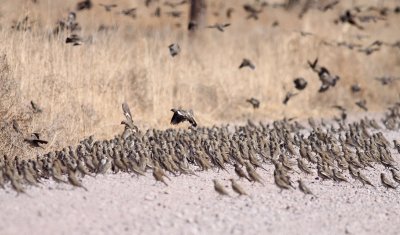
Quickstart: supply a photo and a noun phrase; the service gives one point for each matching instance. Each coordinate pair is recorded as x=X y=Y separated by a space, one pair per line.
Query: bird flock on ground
x=337 y=150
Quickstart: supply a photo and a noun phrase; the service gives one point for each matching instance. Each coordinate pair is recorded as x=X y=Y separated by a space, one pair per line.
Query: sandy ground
x=122 y=204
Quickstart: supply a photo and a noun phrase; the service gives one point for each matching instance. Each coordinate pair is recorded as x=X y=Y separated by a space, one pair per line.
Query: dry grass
x=81 y=88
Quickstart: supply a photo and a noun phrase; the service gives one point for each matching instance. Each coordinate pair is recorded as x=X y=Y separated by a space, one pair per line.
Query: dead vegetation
x=81 y=88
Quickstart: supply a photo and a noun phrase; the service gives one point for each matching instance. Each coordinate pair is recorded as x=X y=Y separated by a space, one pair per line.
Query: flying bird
x=324 y=75
x=174 y=49
x=362 y=104
x=87 y=4
x=300 y=83
x=288 y=96
x=247 y=63
x=181 y=115
x=108 y=7
x=254 y=102
x=218 y=26
x=35 y=140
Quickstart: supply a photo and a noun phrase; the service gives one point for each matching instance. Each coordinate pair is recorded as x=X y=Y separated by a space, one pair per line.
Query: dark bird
x=253 y=13
x=108 y=7
x=35 y=140
x=218 y=26
x=74 y=39
x=229 y=12
x=288 y=96
x=181 y=115
x=386 y=80
x=355 y=88
x=254 y=102
x=87 y=4
x=247 y=63
x=35 y=107
x=348 y=17
x=330 y=5
x=174 y=49
x=131 y=12
x=362 y=104
x=324 y=75
x=300 y=83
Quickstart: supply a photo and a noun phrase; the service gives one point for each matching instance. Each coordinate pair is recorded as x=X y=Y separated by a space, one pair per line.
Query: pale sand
x=122 y=204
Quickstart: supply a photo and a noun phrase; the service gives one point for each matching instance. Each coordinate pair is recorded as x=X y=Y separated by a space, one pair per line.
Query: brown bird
x=237 y=188
x=386 y=182
x=128 y=122
x=362 y=104
x=255 y=102
x=181 y=115
x=131 y=12
x=35 y=107
x=73 y=179
x=220 y=189
x=247 y=63
x=303 y=187
x=35 y=140
x=364 y=180
x=355 y=88
x=240 y=172
x=219 y=26
x=74 y=39
x=159 y=175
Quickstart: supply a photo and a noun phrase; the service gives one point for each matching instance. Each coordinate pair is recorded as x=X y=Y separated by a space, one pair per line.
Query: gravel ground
x=122 y=204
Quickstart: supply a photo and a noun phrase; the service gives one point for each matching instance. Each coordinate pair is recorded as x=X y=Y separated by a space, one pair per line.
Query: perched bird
x=220 y=189
x=73 y=179
x=362 y=104
x=254 y=176
x=181 y=115
x=128 y=122
x=174 y=49
x=288 y=96
x=395 y=175
x=35 y=140
x=247 y=63
x=35 y=107
x=237 y=188
x=254 y=102
x=300 y=83
x=86 y=4
x=108 y=7
x=239 y=171
x=386 y=182
x=159 y=175
x=364 y=180
x=303 y=187
x=219 y=26
x=279 y=181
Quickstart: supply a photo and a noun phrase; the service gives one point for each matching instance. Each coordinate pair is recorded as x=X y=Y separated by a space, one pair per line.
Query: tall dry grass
x=81 y=88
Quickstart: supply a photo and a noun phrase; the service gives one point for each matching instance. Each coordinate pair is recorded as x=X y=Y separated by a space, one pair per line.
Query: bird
x=127 y=114
x=181 y=115
x=240 y=172
x=35 y=107
x=219 y=27
x=247 y=63
x=131 y=12
x=303 y=187
x=364 y=180
x=86 y=4
x=35 y=140
x=324 y=75
x=74 y=39
x=300 y=83
x=219 y=188
x=362 y=104
x=288 y=96
x=73 y=179
x=386 y=182
x=355 y=88
x=174 y=49
x=108 y=7
x=386 y=80
x=237 y=188
x=254 y=102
